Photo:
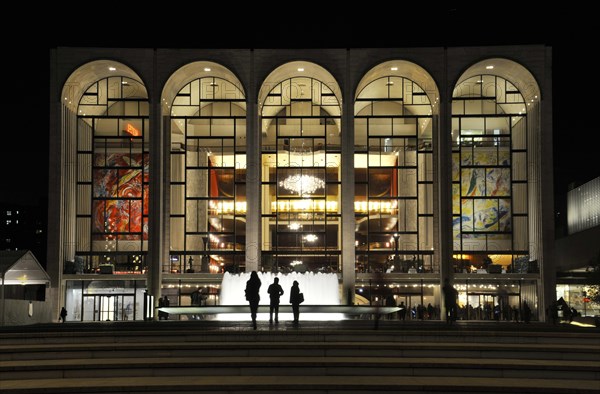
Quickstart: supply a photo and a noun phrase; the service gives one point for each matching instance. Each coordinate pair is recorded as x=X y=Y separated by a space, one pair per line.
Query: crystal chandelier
x=302 y=184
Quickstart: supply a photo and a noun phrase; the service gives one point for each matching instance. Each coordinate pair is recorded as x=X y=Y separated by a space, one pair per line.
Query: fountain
x=318 y=289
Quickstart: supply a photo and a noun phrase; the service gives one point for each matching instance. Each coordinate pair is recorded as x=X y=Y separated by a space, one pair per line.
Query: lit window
x=8 y=240
x=8 y=222
x=8 y=213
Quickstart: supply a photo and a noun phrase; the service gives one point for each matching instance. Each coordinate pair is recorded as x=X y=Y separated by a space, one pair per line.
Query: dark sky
x=23 y=151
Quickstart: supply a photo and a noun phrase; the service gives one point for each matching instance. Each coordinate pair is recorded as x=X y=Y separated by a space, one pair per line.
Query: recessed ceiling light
x=300 y=69
x=489 y=67
x=394 y=68
x=112 y=69
x=124 y=83
x=207 y=69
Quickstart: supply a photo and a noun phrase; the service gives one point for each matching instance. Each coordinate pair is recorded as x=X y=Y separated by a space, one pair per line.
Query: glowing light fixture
x=300 y=69
x=310 y=237
x=489 y=67
x=207 y=69
x=112 y=69
x=302 y=184
x=394 y=68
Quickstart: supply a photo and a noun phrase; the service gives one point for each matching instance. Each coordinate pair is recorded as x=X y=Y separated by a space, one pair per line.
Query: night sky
x=23 y=151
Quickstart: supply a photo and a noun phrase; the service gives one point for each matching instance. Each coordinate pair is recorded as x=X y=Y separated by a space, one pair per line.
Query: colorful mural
x=478 y=213
x=125 y=183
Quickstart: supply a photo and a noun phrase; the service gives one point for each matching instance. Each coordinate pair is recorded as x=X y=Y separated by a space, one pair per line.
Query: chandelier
x=302 y=184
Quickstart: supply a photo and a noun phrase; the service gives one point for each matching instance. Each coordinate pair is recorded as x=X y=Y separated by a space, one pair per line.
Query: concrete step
x=317 y=357
x=358 y=384
x=305 y=366
x=171 y=347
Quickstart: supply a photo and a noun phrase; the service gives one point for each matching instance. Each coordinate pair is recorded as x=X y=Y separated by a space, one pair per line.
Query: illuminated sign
x=132 y=130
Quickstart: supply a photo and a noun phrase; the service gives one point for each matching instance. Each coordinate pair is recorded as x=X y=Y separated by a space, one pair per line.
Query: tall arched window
x=112 y=176
x=301 y=229
x=208 y=177
x=393 y=177
x=489 y=175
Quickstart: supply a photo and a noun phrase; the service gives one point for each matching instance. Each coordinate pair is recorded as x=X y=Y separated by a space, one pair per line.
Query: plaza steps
x=317 y=357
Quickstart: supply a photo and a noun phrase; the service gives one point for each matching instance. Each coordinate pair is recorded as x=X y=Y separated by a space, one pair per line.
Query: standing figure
x=252 y=295
x=296 y=299
x=63 y=315
x=450 y=296
x=526 y=312
x=163 y=301
x=275 y=292
x=390 y=301
x=402 y=311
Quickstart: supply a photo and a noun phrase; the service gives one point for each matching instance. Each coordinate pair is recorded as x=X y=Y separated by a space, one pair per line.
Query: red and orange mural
x=120 y=203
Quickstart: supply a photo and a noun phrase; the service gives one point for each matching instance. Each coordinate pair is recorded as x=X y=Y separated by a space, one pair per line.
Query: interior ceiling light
x=207 y=69
x=394 y=68
x=302 y=184
x=310 y=237
x=294 y=226
x=112 y=69
x=489 y=67
x=300 y=69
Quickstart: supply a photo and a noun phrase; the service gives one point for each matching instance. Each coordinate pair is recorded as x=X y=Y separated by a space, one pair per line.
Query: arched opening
x=207 y=109
x=300 y=111
x=105 y=124
x=395 y=114
x=495 y=125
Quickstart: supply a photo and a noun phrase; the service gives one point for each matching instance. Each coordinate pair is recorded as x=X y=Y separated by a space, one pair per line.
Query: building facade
x=578 y=254
x=171 y=168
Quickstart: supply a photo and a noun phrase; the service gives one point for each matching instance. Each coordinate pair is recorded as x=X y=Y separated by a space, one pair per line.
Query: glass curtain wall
x=112 y=177
x=208 y=178
x=489 y=177
x=301 y=226
x=393 y=178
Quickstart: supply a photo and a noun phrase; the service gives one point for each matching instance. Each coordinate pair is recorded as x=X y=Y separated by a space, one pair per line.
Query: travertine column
x=442 y=186
x=347 y=164
x=158 y=239
x=253 y=169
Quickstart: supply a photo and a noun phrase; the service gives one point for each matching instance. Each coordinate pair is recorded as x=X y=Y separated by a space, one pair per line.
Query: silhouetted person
x=450 y=296
x=430 y=311
x=402 y=311
x=63 y=315
x=378 y=283
x=163 y=301
x=252 y=295
x=275 y=292
x=553 y=312
x=526 y=312
x=390 y=301
x=295 y=300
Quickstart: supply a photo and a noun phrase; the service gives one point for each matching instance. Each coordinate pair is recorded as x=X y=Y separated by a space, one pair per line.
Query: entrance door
x=109 y=307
